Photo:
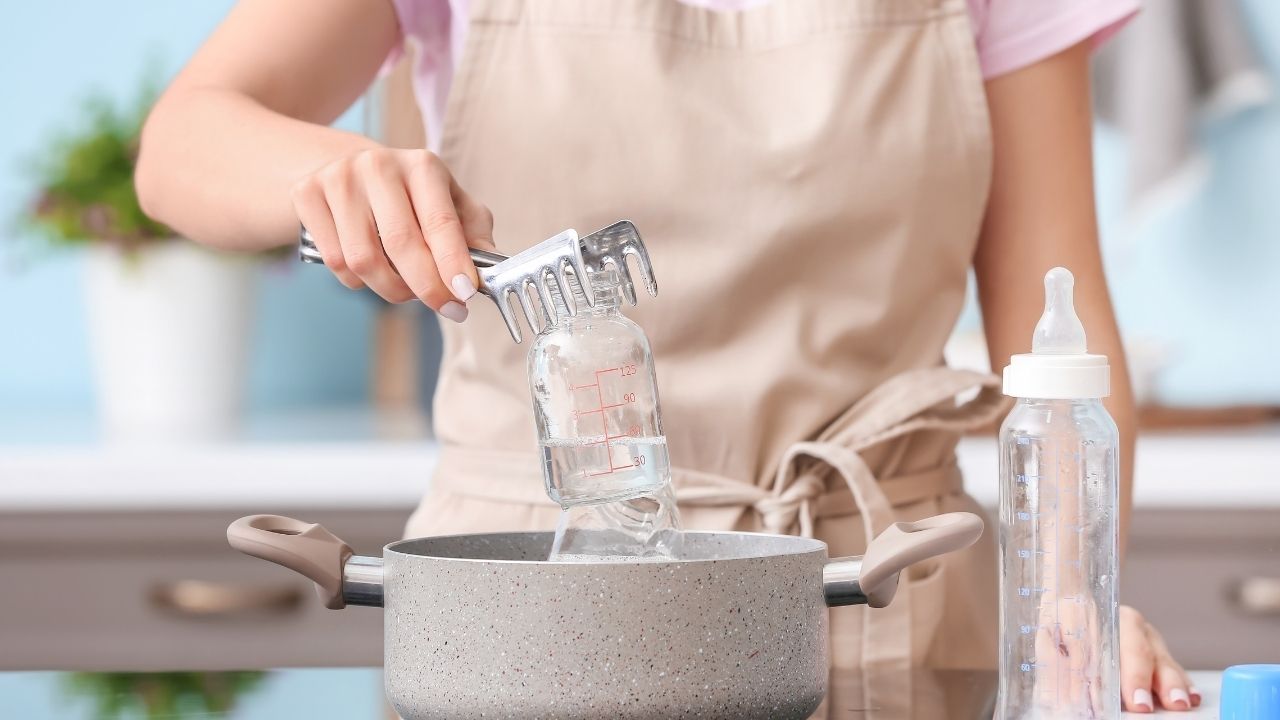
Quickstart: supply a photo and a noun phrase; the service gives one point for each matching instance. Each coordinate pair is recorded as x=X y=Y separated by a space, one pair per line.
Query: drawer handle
x=199 y=598
x=1259 y=596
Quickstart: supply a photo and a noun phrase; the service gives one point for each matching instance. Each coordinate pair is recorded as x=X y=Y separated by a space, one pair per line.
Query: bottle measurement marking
x=1057 y=567
x=1060 y=528
x=600 y=408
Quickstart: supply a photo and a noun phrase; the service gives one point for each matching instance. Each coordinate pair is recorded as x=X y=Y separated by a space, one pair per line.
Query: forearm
x=246 y=118
x=218 y=167
x=1040 y=214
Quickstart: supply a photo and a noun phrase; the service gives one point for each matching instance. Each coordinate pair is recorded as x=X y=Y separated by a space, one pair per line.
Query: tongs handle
x=484 y=258
x=309 y=253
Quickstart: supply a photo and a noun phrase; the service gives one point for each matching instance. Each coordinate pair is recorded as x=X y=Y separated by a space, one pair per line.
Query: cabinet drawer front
x=1210 y=583
x=200 y=613
x=162 y=591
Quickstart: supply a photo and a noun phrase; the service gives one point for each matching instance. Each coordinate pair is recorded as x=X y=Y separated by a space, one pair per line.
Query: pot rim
x=802 y=546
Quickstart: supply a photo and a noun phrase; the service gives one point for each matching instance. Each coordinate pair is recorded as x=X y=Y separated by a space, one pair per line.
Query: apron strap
x=912 y=401
x=803 y=490
x=918 y=400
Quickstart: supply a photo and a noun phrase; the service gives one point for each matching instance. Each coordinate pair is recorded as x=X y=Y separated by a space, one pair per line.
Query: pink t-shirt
x=1009 y=34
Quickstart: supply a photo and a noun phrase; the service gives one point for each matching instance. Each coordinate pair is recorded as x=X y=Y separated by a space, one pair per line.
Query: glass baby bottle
x=604 y=457
x=1058 y=509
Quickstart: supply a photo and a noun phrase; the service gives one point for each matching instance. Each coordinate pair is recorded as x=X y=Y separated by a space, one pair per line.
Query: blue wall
x=1204 y=277
x=312 y=336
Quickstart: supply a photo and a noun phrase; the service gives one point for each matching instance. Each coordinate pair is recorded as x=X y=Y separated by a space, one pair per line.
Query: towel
x=1178 y=65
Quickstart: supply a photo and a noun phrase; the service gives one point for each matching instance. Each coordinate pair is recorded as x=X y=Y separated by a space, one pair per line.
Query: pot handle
x=305 y=548
x=873 y=578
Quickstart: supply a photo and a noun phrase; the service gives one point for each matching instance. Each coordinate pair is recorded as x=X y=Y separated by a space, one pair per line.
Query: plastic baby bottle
x=1058 y=509
x=604 y=458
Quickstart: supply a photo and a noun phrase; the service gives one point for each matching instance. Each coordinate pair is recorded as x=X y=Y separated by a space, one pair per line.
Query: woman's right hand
x=396 y=221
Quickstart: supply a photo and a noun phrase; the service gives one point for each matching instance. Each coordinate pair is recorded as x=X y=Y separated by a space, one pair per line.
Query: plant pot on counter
x=169 y=328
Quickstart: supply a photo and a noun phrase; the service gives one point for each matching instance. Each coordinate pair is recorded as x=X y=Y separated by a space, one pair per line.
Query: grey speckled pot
x=482 y=626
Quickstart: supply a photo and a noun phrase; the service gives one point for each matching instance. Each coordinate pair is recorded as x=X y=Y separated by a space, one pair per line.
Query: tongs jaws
x=610 y=247
x=553 y=260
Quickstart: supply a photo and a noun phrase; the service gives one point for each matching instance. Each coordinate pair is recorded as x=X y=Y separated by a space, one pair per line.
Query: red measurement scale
x=600 y=408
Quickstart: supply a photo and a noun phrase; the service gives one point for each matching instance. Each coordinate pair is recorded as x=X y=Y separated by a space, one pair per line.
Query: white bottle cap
x=1059 y=366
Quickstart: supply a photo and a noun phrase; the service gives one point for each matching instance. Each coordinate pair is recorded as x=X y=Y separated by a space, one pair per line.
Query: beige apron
x=809 y=177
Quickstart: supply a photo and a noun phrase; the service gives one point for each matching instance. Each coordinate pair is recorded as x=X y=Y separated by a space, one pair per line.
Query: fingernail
x=1195 y=692
x=1178 y=695
x=463 y=288
x=454 y=311
x=1142 y=700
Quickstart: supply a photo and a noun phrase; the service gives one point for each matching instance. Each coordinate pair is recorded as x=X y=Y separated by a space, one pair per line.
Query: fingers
x=395 y=221
x=477 y=221
x=400 y=235
x=430 y=184
x=1137 y=662
x=1172 y=686
x=313 y=211
x=361 y=247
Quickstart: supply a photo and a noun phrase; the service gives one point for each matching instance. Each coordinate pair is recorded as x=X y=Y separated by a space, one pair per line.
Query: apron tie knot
x=780 y=512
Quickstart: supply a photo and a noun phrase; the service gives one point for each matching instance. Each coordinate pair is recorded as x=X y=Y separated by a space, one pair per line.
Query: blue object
x=1250 y=692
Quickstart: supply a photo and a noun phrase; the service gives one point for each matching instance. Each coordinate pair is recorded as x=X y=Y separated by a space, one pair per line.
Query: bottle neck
x=607 y=294
x=1059 y=401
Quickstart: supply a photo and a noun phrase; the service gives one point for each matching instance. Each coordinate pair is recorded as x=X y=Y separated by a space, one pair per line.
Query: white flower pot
x=169 y=328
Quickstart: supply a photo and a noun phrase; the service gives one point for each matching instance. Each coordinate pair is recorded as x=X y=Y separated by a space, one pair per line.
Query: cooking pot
x=484 y=626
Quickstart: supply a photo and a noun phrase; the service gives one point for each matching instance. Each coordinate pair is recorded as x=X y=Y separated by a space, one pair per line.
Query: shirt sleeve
x=423 y=23
x=1012 y=34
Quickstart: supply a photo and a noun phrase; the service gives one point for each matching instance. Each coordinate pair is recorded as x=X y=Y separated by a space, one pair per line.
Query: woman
x=814 y=180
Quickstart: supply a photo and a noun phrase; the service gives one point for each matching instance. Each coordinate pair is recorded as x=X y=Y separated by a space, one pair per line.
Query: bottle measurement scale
x=1058 y=507
x=1047 y=544
x=596 y=394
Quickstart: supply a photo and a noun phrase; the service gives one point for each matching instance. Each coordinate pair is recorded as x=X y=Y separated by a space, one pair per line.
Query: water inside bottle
x=616 y=498
x=598 y=470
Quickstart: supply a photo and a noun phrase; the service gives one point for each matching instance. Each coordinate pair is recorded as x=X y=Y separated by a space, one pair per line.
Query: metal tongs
x=553 y=260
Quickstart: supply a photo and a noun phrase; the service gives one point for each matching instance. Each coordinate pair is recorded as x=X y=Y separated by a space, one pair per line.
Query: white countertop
x=1222 y=469
x=352 y=459
x=347 y=459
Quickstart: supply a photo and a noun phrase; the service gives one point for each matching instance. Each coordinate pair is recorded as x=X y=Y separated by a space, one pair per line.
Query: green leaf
x=83 y=181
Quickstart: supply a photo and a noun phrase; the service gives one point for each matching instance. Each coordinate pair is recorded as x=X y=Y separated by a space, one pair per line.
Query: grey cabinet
x=162 y=590
x=1209 y=580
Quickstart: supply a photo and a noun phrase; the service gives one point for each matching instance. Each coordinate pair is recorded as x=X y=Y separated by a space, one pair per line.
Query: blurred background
x=150 y=391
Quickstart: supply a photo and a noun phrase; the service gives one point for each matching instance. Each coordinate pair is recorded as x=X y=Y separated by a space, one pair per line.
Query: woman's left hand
x=1148 y=673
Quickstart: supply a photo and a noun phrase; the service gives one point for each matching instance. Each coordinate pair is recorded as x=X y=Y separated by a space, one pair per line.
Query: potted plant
x=168 y=320
x=171 y=695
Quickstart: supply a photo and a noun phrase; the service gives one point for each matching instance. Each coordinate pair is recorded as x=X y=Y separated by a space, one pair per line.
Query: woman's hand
x=1148 y=673
x=396 y=221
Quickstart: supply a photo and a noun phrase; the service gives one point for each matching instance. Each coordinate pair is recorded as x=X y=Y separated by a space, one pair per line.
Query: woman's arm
x=1041 y=214
x=236 y=152
x=246 y=118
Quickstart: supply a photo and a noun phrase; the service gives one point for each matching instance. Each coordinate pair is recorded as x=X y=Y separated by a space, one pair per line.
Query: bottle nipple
x=1059 y=331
